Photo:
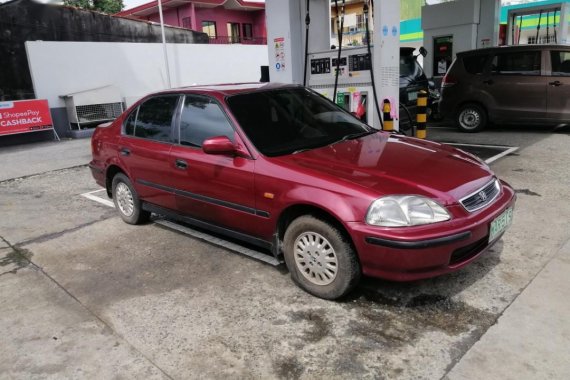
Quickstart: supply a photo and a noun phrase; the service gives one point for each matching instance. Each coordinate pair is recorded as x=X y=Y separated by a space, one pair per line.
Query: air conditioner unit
x=92 y=106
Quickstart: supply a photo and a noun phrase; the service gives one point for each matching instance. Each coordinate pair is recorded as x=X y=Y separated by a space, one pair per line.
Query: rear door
x=215 y=188
x=559 y=86
x=144 y=149
x=516 y=87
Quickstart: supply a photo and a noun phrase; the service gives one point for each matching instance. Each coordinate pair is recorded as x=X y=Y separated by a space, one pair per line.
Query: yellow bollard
x=421 y=117
x=388 y=122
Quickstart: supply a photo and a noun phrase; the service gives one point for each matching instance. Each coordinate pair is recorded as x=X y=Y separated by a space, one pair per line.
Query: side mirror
x=218 y=145
x=423 y=51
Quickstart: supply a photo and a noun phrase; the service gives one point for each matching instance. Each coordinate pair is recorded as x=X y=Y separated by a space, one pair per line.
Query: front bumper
x=408 y=254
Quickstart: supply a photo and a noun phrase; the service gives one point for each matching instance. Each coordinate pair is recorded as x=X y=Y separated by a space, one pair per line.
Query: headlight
x=405 y=210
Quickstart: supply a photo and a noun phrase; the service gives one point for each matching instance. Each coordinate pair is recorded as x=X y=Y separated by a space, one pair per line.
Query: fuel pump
x=359 y=79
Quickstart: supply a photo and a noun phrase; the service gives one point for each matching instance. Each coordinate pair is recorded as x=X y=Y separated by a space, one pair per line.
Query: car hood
x=384 y=163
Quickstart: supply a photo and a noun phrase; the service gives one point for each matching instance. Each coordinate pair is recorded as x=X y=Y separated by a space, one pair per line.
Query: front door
x=516 y=87
x=559 y=87
x=215 y=188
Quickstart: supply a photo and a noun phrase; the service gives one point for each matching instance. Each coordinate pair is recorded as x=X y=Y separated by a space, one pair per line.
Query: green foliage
x=410 y=9
x=105 y=6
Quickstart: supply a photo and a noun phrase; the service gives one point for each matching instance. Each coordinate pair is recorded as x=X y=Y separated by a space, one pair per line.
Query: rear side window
x=560 y=63
x=475 y=64
x=153 y=119
x=130 y=123
x=201 y=119
x=520 y=63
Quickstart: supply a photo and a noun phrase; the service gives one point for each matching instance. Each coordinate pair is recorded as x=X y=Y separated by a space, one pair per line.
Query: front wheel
x=127 y=201
x=471 y=118
x=320 y=258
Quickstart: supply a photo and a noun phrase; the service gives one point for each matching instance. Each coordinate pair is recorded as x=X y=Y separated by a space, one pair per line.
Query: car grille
x=482 y=197
x=465 y=253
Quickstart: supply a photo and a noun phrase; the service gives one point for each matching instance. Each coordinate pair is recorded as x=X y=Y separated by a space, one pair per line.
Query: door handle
x=488 y=81
x=556 y=83
x=125 y=152
x=181 y=164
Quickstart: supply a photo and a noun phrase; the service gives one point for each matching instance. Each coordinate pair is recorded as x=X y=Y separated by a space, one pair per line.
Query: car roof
x=496 y=49
x=228 y=89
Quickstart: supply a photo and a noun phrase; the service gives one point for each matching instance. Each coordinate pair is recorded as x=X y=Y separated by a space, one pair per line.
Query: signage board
x=22 y=116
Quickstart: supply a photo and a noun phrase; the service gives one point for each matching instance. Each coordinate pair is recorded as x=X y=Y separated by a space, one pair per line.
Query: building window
x=247 y=31
x=233 y=32
x=209 y=27
x=187 y=22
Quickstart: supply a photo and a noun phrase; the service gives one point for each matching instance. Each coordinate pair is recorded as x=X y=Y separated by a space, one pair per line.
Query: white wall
x=60 y=68
x=460 y=19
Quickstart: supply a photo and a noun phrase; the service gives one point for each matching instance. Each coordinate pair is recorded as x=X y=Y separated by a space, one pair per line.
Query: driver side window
x=201 y=119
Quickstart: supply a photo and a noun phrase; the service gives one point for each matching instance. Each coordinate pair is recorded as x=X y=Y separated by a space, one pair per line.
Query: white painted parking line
x=95 y=191
x=448 y=128
x=234 y=247
x=90 y=195
x=508 y=150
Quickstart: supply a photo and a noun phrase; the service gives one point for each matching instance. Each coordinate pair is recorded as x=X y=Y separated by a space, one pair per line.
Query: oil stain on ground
x=527 y=192
x=18 y=257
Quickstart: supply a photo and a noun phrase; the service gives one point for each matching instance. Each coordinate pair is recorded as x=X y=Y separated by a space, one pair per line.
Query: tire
x=307 y=266
x=471 y=118
x=127 y=201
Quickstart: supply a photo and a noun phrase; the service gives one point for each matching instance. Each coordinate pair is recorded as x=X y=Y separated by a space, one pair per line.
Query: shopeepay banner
x=23 y=116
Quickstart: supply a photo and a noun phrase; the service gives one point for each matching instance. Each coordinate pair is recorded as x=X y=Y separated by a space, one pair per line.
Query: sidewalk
x=531 y=340
x=43 y=157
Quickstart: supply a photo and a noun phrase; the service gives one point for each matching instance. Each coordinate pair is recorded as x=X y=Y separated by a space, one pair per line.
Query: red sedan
x=285 y=169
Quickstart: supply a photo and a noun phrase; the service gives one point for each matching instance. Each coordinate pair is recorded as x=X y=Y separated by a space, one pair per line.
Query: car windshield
x=409 y=67
x=291 y=120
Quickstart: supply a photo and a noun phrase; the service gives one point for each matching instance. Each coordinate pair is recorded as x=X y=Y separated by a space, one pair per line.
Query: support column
x=563 y=37
x=285 y=23
x=193 y=22
x=386 y=57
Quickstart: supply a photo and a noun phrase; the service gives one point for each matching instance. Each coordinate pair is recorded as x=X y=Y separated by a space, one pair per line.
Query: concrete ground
x=84 y=295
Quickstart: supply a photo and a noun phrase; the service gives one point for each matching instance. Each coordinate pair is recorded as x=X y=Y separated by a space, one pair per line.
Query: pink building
x=225 y=21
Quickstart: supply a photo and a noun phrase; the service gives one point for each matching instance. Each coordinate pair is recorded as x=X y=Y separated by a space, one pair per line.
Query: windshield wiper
x=301 y=150
x=352 y=136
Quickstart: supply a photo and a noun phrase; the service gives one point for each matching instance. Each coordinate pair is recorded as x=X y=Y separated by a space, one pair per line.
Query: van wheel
x=320 y=258
x=127 y=201
x=471 y=118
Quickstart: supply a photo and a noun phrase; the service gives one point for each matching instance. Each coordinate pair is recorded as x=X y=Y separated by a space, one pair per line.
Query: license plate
x=500 y=224
x=412 y=96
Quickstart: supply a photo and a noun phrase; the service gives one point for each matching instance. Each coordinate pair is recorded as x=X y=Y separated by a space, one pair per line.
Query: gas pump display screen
x=342 y=61
x=320 y=66
x=358 y=62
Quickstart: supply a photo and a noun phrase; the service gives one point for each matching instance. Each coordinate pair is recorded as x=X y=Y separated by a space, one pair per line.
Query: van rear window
x=475 y=64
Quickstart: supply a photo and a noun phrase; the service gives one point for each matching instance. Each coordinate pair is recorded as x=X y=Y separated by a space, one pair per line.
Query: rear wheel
x=471 y=118
x=127 y=201
x=320 y=258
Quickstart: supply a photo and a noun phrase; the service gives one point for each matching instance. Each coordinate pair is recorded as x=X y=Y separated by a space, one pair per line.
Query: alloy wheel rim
x=470 y=119
x=125 y=199
x=316 y=258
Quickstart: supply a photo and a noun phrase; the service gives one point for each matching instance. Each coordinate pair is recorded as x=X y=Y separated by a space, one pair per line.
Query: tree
x=105 y=6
